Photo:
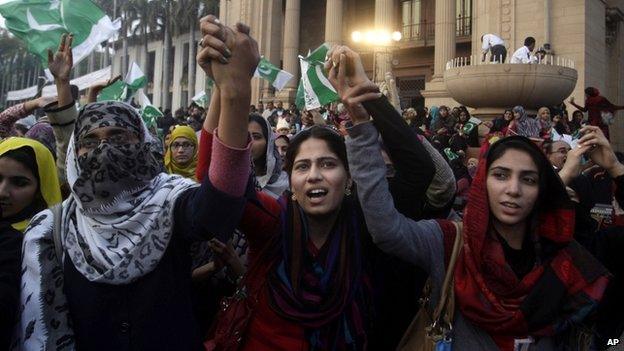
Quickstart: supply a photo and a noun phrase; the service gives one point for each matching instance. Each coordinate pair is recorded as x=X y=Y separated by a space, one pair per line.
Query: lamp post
x=381 y=41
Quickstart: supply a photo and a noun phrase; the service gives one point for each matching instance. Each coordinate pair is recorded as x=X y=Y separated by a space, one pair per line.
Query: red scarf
x=490 y=295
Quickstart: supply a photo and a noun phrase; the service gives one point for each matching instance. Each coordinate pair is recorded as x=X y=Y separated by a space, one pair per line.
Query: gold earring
x=293 y=197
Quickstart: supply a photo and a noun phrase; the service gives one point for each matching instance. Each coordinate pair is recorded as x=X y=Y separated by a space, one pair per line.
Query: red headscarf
x=564 y=282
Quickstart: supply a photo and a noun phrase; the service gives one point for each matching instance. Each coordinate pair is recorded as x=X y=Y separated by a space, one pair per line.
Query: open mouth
x=510 y=205
x=317 y=193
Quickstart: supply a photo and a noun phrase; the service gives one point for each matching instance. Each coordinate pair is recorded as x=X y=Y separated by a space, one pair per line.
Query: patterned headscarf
x=102 y=176
x=43 y=133
x=115 y=226
x=527 y=127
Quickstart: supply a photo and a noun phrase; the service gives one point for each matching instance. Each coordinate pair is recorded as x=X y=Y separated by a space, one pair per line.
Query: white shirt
x=490 y=40
x=522 y=55
x=267 y=113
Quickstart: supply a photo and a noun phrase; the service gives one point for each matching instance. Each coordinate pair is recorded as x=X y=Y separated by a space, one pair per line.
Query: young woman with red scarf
x=596 y=105
x=520 y=278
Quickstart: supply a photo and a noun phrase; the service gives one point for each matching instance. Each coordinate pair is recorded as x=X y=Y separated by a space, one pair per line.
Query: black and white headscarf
x=116 y=225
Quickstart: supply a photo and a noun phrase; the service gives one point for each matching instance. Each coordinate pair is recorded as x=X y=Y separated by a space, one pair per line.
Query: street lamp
x=379 y=40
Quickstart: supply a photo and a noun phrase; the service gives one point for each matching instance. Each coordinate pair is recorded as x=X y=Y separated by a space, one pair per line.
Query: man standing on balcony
x=523 y=55
x=496 y=47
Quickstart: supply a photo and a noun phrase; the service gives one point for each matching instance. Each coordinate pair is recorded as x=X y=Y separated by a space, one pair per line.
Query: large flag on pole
x=40 y=24
x=317 y=89
x=273 y=74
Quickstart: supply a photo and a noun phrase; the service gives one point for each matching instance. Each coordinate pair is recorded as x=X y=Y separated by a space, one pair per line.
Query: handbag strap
x=448 y=277
x=57 y=215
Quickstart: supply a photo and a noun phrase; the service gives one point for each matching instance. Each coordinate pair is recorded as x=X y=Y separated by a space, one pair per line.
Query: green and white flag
x=125 y=90
x=135 y=79
x=273 y=74
x=40 y=24
x=149 y=112
x=201 y=99
x=300 y=98
x=317 y=90
x=117 y=91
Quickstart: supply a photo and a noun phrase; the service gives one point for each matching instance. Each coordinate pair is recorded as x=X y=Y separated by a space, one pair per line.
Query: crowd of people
x=357 y=226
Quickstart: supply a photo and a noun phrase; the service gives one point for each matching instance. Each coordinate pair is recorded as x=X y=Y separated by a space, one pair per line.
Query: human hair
x=75 y=92
x=529 y=41
x=26 y=156
x=465 y=110
x=333 y=140
x=254 y=117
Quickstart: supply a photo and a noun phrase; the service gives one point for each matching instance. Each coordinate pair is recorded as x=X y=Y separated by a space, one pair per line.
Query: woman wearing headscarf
x=123 y=280
x=524 y=125
x=524 y=229
x=520 y=278
x=311 y=282
x=29 y=181
x=182 y=152
x=267 y=162
x=596 y=106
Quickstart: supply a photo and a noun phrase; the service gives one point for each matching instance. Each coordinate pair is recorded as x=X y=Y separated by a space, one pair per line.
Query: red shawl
x=566 y=284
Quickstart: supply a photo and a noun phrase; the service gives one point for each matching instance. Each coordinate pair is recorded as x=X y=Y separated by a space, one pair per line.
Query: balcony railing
x=419 y=31
x=425 y=30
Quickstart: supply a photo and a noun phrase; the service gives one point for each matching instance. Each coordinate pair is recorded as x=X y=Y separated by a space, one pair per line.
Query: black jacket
x=10 y=268
x=154 y=312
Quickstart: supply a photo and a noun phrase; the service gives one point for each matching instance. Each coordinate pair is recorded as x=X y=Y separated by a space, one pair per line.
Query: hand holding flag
x=96 y=88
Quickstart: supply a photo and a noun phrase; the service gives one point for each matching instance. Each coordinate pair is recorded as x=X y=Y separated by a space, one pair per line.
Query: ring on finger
x=201 y=43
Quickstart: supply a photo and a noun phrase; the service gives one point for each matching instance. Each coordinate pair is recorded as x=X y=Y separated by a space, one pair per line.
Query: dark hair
x=334 y=142
x=463 y=109
x=552 y=192
x=75 y=92
x=529 y=41
x=254 y=117
x=550 y=186
x=26 y=156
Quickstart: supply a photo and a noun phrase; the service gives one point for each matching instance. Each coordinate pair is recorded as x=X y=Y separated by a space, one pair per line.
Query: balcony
x=423 y=34
x=490 y=88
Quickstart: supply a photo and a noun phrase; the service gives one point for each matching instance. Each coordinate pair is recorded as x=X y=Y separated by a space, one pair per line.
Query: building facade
x=433 y=32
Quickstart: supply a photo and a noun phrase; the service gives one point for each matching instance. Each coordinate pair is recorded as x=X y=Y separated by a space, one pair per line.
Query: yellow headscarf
x=187 y=171
x=48 y=177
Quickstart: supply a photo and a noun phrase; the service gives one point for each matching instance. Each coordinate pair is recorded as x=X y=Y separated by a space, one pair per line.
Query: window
x=151 y=62
x=410 y=14
x=464 y=18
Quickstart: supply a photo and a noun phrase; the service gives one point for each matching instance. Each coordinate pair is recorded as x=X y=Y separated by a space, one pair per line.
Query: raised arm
x=416 y=242
x=229 y=163
x=63 y=113
x=573 y=103
x=14 y=113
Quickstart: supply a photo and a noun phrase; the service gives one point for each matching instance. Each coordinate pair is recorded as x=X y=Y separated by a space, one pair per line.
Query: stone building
x=433 y=32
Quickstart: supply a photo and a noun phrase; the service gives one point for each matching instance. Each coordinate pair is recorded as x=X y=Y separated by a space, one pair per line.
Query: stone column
x=445 y=27
x=333 y=22
x=445 y=23
x=384 y=20
x=290 y=52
